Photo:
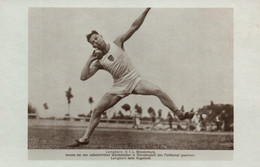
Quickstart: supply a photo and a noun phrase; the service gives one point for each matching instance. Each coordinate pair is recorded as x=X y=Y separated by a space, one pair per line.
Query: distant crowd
x=213 y=117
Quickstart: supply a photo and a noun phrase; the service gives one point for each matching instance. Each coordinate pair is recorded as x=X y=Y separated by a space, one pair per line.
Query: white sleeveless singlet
x=118 y=64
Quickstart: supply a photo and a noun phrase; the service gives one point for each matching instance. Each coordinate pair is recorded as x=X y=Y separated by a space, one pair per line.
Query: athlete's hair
x=90 y=34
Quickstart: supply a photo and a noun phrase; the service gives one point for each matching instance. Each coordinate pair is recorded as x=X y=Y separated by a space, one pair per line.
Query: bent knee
x=97 y=111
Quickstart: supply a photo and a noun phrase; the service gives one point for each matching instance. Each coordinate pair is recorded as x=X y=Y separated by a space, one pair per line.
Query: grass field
x=104 y=138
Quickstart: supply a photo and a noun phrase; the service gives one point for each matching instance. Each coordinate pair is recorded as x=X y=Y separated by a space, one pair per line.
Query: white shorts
x=125 y=85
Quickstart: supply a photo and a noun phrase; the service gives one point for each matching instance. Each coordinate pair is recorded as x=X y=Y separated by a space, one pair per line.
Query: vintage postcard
x=130 y=83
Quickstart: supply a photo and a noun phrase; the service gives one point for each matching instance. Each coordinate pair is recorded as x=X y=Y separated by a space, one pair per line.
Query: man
x=113 y=58
x=136 y=117
x=170 y=119
x=158 y=122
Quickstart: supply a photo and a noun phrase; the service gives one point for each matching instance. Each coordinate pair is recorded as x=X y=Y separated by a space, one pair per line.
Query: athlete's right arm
x=90 y=68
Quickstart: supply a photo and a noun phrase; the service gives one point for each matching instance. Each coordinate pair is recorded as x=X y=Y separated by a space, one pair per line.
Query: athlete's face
x=97 y=41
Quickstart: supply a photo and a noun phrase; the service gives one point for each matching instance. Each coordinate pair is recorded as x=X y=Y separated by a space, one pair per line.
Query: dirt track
x=60 y=137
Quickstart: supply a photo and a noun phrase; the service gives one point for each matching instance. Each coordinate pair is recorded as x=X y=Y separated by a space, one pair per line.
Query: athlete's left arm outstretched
x=135 y=26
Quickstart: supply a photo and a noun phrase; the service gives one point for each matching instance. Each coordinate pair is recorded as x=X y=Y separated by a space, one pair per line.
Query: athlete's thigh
x=145 y=88
x=107 y=101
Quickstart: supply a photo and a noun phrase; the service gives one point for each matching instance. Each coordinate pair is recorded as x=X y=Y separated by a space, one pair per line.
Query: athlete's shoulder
x=119 y=42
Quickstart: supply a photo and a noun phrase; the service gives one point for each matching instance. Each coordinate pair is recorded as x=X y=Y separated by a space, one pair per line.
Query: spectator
x=136 y=118
x=158 y=122
x=152 y=115
x=196 y=120
x=170 y=119
x=218 y=122
x=203 y=123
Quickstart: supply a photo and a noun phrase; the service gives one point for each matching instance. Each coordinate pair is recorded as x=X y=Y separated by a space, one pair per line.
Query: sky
x=187 y=52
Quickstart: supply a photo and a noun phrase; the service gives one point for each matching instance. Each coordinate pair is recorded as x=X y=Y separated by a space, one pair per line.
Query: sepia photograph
x=129 y=83
x=130 y=78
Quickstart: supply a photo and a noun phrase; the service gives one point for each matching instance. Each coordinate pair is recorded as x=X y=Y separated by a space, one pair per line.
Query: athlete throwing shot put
x=113 y=58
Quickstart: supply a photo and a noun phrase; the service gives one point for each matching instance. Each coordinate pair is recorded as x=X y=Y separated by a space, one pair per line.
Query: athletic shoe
x=78 y=143
x=186 y=115
x=190 y=115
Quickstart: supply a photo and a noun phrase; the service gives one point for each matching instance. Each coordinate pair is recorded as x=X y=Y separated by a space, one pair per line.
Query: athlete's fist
x=97 y=54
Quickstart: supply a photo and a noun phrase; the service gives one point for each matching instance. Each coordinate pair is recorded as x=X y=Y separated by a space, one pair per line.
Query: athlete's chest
x=114 y=56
